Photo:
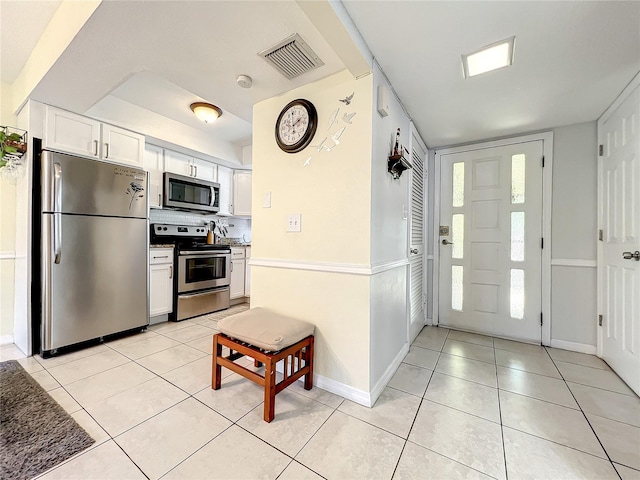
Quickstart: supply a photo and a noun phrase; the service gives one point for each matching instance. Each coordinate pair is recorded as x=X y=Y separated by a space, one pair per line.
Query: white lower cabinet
x=247 y=273
x=237 y=272
x=160 y=281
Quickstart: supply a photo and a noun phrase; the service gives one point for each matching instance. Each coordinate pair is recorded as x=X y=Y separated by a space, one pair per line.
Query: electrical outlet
x=294 y=222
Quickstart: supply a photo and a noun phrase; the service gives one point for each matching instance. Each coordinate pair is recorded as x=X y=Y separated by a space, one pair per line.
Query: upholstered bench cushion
x=265 y=329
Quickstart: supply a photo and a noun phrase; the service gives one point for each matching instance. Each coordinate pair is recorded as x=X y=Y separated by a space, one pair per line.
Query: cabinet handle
x=232 y=266
x=106 y=147
x=190 y=170
x=161 y=256
x=159 y=199
x=196 y=167
x=170 y=271
x=95 y=144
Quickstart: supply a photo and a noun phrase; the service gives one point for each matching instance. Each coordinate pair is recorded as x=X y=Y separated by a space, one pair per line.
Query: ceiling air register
x=292 y=57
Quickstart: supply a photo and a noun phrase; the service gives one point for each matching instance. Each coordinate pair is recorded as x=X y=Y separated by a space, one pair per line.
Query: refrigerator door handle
x=57 y=216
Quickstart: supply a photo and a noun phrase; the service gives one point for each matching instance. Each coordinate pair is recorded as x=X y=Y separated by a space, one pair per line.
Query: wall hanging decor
x=13 y=147
x=397 y=162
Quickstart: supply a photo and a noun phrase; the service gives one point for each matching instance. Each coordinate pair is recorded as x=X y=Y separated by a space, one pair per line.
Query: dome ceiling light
x=206 y=112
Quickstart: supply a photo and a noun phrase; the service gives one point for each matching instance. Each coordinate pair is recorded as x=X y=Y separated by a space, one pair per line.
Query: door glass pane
x=456 y=287
x=517 y=293
x=458 y=184
x=517 y=178
x=517 y=236
x=457 y=235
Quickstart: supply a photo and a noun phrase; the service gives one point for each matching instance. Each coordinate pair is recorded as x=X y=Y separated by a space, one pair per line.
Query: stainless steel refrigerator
x=93 y=250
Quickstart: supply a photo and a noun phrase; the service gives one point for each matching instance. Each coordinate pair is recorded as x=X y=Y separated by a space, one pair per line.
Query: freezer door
x=91 y=187
x=99 y=284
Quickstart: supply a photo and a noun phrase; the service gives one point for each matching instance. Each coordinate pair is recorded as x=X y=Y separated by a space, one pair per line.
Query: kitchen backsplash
x=239 y=229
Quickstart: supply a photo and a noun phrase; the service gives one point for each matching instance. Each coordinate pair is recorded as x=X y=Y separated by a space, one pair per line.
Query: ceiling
x=571 y=59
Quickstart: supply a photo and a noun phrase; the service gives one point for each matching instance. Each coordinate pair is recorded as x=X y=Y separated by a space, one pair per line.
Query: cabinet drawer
x=160 y=255
x=237 y=252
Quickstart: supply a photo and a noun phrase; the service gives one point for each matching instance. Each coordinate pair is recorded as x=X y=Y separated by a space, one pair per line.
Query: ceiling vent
x=292 y=57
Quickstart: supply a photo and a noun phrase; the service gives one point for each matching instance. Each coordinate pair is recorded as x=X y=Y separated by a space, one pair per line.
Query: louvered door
x=416 y=254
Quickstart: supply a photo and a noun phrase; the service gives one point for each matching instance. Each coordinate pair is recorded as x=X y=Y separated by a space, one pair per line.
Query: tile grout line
x=420 y=404
x=585 y=416
x=504 y=448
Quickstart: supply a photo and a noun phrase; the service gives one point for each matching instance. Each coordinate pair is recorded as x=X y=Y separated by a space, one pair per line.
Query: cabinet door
x=179 y=163
x=242 y=193
x=71 y=133
x=154 y=165
x=225 y=179
x=247 y=274
x=205 y=170
x=160 y=289
x=122 y=146
x=237 y=278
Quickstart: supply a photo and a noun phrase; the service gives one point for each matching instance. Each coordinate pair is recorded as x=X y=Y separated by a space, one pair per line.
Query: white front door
x=618 y=265
x=416 y=249
x=490 y=240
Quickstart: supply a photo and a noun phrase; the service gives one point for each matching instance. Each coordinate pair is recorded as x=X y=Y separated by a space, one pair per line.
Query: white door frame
x=547 y=149
x=600 y=259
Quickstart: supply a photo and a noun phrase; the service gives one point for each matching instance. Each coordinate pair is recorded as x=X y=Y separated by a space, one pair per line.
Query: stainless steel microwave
x=188 y=193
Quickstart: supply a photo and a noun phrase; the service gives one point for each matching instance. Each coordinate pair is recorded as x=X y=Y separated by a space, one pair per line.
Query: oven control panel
x=164 y=230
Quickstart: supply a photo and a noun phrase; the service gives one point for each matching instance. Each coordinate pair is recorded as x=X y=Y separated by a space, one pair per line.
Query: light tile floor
x=460 y=406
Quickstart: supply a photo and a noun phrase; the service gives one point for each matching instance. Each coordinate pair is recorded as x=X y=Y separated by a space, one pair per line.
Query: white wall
x=320 y=274
x=574 y=236
x=389 y=242
x=7 y=231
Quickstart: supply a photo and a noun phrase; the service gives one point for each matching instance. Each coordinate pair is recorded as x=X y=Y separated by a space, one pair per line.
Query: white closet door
x=417 y=262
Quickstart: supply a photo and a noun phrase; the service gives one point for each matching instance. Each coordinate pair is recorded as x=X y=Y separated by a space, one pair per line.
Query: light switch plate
x=294 y=222
x=266 y=200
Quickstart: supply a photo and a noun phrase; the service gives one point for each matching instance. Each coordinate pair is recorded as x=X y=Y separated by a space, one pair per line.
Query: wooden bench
x=268 y=338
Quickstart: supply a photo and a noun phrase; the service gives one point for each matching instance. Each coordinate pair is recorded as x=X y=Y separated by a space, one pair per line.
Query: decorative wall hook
x=397 y=163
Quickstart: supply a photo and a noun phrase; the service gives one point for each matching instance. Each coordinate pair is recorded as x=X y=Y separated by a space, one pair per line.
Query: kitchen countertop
x=162 y=245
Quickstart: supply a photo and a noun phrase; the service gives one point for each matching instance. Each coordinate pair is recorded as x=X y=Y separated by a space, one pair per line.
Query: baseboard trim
x=389 y=372
x=347 y=268
x=574 y=347
x=6 y=339
x=350 y=393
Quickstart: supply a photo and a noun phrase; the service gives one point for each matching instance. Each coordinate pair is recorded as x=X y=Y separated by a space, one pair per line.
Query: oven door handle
x=208 y=253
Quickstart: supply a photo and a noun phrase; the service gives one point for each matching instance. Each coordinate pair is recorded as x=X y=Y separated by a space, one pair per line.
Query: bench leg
x=257 y=364
x=269 y=390
x=308 y=361
x=216 y=369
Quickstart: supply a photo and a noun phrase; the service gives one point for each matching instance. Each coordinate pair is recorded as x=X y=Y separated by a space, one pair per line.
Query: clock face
x=296 y=126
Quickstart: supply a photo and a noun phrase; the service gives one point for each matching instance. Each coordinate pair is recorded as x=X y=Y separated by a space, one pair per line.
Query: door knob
x=446 y=242
x=629 y=256
x=414 y=251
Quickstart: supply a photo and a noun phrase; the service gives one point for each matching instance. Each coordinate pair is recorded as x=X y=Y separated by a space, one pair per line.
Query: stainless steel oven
x=200 y=269
x=203 y=272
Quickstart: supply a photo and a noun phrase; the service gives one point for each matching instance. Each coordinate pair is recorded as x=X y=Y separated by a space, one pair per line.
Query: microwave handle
x=214 y=196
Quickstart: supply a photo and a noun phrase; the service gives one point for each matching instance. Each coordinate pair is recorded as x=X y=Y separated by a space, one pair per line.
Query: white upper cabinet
x=122 y=146
x=154 y=165
x=205 y=170
x=72 y=133
x=242 y=193
x=68 y=132
x=188 y=166
x=179 y=163
x=225 y=179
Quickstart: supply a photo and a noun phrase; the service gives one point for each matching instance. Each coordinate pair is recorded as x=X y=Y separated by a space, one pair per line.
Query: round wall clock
x=296 y=125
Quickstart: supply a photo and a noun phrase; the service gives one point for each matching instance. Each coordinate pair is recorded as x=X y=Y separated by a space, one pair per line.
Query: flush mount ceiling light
x=491 y=57
x=206 y=112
